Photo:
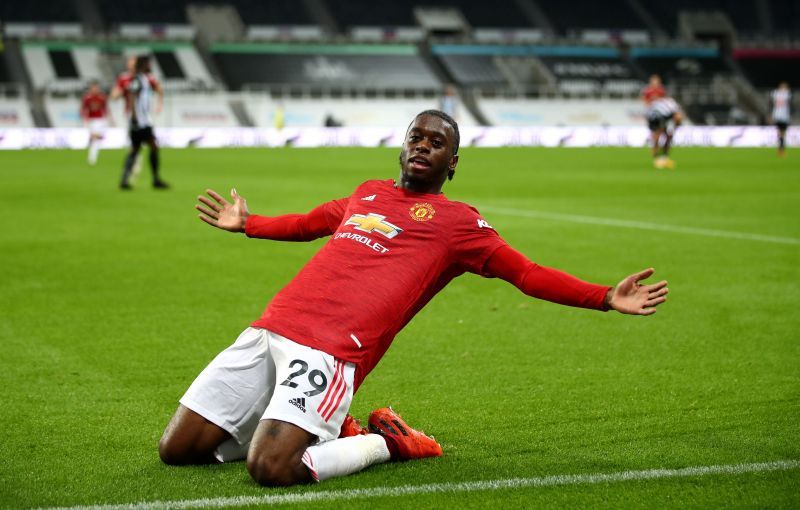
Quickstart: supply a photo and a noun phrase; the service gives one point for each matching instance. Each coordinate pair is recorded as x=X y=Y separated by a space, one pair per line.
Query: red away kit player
x=278 y=397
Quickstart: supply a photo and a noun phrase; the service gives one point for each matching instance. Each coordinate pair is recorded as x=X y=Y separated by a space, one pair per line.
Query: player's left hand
x=630 y=297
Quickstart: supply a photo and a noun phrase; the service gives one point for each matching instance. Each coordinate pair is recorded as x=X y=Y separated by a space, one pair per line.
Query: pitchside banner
x=704 y=136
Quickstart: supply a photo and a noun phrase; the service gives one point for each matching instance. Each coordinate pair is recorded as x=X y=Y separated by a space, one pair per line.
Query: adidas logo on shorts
x=299 y=403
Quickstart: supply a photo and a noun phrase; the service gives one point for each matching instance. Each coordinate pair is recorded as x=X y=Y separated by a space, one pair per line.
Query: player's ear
x=452 y=167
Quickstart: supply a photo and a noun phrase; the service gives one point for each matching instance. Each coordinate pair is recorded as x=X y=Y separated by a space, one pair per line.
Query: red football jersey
x=94 y=106
x=650 y=93
x=390 y=252
x=124 y=80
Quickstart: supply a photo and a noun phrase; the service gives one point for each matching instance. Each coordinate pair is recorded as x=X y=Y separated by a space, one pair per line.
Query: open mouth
x=419 y=163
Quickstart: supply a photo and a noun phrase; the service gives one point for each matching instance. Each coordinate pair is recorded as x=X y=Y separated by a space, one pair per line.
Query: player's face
x=427 y=155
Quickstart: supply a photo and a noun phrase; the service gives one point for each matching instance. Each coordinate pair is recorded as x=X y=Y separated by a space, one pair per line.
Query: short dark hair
x=141 y=62
x=450 y=120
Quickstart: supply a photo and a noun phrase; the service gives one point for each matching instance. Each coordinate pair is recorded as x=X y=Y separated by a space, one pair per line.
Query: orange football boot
x=352 y=427
x=404 y=443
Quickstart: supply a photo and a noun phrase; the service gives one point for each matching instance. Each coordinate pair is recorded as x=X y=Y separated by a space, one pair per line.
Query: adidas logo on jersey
x=369 y=198
x=299 y=403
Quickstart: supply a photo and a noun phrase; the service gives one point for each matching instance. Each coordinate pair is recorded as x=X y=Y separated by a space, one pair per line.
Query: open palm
x=630 y=297
x=220 y=213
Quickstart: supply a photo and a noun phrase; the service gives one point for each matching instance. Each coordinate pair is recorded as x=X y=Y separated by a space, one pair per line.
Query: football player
x=781 y=116
x=279 y=396
x=663 y=118
x=94 y=112
x=139 y=93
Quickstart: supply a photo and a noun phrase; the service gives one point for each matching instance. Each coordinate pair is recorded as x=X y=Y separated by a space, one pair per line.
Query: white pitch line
x=643 y=225
x=453 y=487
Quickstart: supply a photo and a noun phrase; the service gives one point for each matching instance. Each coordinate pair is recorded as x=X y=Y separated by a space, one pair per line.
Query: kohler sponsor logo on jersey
x=366 y=241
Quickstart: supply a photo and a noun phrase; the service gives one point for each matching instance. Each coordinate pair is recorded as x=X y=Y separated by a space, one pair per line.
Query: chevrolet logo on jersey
x=374 y=223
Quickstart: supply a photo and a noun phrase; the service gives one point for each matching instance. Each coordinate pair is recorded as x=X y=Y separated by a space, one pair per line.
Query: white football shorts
x=264 y=376
x=97 y=126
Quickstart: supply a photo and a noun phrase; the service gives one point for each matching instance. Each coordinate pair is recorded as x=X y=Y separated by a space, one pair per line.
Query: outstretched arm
x=234 y=217
x=559 y=287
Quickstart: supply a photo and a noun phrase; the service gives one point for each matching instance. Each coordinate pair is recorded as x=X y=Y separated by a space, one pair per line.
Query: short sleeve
x=474 y=240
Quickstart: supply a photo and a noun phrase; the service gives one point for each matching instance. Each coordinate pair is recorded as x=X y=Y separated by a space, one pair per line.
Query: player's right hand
x=223 y=214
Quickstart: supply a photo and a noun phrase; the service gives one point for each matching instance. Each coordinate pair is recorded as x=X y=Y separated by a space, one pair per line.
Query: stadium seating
x=47 y=11
x=273 y=12
x=743 y=14
x=473 y=70
x=501 y=13
x=142 y=11
x=570 y=17
x=65 y=67
x=785 y=16
x=306 y=67
x=389 y=52
x=766 y=68
x=588 y=75
x=681 y=63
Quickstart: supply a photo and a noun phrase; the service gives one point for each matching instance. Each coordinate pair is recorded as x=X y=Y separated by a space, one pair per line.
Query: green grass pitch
x=113 y=302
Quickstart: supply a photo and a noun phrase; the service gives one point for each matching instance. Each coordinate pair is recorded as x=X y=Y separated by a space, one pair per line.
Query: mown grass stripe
x=454 y=487
x=642 y=225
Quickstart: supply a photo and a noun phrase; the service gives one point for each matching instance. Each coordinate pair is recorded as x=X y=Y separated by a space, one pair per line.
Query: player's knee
x=270 y=470
x=172 y=452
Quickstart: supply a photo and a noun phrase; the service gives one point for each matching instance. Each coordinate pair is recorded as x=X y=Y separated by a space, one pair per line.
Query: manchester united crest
x=422 y=212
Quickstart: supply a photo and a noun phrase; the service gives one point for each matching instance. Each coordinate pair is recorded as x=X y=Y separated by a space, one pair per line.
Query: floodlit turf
x=112 y=303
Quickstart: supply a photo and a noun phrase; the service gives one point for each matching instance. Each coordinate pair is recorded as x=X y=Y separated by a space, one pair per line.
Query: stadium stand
x=785 y=16
x=765 y=68
x=743 y=14
x=321 y=68
x=570 y=18
x=681 y=65
x=386 y=13
x=64 y=67
x=372 y=13
x=274 y=12
x=594 y=74
x=46 y=11
x=142 y=11
x=497 y=14
x=719 y=58
x=473 y=70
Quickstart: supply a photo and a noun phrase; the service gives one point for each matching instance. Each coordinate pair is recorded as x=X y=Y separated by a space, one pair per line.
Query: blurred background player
x=781 y=99
x=654 y=90
x=139 y=94
x=94 y=112
x=663 y=118
x=118 y=92
x=449 y=102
